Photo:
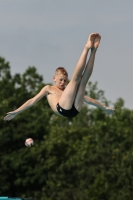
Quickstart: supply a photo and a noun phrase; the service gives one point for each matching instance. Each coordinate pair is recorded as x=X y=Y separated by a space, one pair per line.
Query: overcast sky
x=52 y=33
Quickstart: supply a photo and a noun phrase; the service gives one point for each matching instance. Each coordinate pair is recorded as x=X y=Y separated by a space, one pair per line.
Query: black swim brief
x=67 y=113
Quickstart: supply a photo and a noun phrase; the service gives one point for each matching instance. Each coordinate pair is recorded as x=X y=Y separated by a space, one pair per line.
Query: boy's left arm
x=94 y=102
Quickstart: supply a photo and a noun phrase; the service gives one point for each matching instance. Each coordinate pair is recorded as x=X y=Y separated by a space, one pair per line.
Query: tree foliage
x=88 y=157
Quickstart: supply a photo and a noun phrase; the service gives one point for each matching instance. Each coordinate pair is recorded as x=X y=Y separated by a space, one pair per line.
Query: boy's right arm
x=28 y=104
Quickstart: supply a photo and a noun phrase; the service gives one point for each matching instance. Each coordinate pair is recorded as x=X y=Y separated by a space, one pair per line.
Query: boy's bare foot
x=96 y=41
x=90 y=41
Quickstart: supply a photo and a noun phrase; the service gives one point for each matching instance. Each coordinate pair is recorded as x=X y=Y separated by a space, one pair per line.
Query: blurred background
x=89 y=157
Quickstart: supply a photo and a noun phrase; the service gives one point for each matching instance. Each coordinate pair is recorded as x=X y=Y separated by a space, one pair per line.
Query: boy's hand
x=109 y=110
x=10 y=115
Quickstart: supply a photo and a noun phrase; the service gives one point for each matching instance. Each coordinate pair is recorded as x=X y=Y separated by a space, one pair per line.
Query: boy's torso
x=53 y=97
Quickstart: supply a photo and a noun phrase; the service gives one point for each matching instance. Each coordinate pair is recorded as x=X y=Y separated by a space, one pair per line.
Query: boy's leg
x=82 y=60
x=68 y=95
x=86 y=75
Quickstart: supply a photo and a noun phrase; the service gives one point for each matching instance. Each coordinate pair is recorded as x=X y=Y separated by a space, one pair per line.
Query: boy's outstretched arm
x=94 y=102
x=27 y=104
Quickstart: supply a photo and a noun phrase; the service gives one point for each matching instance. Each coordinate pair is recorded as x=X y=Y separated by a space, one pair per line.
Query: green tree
x=15 y=90
x=88 y=157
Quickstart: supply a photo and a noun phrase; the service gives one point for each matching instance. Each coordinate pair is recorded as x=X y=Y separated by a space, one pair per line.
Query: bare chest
x=53 y=97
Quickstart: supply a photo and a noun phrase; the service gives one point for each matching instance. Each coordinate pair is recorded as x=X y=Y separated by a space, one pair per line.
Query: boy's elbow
x=34 y=101
x=87 y=99
x=31 y=102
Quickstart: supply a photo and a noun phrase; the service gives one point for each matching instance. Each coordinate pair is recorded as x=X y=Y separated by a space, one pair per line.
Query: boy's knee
x=76 y=79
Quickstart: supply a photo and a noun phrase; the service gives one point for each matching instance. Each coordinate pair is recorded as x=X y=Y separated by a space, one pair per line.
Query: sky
x=51 y=33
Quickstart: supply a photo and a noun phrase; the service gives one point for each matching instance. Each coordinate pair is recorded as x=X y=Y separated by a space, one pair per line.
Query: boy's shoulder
x=49 y=87
x=52 y=88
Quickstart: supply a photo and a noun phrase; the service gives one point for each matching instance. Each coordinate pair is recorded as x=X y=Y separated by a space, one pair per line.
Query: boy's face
x=60 y=80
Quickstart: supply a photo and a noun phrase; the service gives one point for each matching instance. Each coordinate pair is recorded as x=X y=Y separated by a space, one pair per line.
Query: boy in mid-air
x=67 y=100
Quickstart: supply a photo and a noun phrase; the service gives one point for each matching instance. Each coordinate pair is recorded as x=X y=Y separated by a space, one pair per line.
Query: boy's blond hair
x=62 y=70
